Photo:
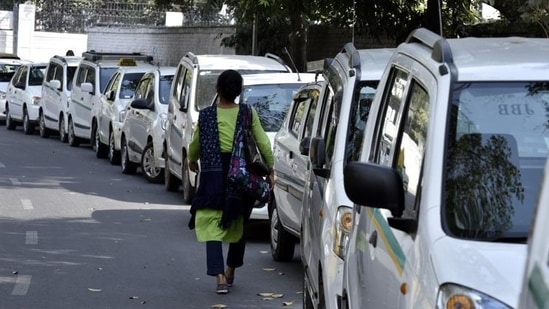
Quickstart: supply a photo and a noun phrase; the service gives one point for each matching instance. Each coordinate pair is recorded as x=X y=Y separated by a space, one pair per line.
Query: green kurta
x=206 y=220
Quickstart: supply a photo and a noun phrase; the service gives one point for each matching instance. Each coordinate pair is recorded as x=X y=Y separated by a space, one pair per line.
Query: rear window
x=497 y=145
x=7 y=71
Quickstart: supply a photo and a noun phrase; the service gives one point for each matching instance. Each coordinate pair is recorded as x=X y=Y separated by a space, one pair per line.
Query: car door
x=79 y=109
x=15 y=92
x=107 y=100
x=51 y=97
x=392 y=256
x=290 y=164
x=142 y=118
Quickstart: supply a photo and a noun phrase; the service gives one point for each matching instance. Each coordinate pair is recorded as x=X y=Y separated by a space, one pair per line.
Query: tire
x=10 y=123
x=307 y=299
x=113 y=154
x=282 y=242
x=63 y=137
x=72 y=139
x=188 y=189
x=128 y=167
x=101 y=150
x=171 y=183
x=150 y=171
x=28 y=127
x=44 y=131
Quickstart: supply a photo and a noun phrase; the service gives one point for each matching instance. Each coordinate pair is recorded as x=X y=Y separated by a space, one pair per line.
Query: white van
x=535 y=285
x=56 y=92
x=466 y=120
x=193 y=89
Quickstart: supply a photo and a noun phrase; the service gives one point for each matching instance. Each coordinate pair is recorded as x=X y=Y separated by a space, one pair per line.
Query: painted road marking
x=2 y=165
x=15 y=181
x=27 y=204
x=22 y=284
x=31 y=238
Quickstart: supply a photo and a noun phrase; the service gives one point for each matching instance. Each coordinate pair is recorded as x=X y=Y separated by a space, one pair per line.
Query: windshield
x=497 y=146
x=271 y=102
x=205 y=88
x=7 y=71
x=129 y=83
x=165 y=85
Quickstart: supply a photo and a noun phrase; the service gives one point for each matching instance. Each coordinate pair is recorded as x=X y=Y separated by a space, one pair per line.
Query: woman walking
x=219 y=215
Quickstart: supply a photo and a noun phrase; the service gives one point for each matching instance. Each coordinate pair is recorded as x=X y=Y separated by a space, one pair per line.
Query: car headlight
x=163 y=121
x=122 y=115
x=452 y=296
x=35 y=100
x=343 y=225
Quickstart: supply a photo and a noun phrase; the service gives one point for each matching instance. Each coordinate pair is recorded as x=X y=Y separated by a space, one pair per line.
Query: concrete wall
x=166 y=44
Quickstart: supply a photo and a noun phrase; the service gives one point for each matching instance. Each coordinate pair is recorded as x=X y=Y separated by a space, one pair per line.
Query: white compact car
x=23 y=97
x=9 y=63
x=467 y=118
x=108 y=118
x=145 y=123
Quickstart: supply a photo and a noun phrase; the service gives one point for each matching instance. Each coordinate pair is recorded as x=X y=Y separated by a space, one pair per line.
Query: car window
x=51 y=71
x=17 y=78
x=498 y=137
x=58 y=74
x=186 y=90
x=81 y=76
x=113 y=83
x=205 y=88
x=360 y=109
x=70 y=75
x=271 y=101
x=141 y=89
x=104 y=76
x=164 y=91
x=36 y=75
x=311 y=114
x=330 y=118
x=150 y=90
x=128 y=85
x=297 y=117
x=7 y=71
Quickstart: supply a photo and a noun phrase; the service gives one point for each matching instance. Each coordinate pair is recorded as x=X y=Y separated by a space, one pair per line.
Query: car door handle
x=291 y=154
x=373 y=239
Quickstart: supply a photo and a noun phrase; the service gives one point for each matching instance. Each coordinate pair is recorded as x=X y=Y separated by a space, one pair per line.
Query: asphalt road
x=77 y=233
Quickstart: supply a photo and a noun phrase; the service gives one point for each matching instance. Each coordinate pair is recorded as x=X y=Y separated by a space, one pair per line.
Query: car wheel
x=151 y=172
x=282 y=243
x=307 y=299
x=44 y=131
x=62 y=134
x=101 y=150
x=171 y=183
x=128 y=167
x=10 y=123
x=28 y=127
x=188 y=189
x=73 y=140
x=114 y=155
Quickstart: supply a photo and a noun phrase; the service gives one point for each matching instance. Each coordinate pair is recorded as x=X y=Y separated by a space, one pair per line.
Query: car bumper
x=117 y=133
x=260 y=213
x=33 y=112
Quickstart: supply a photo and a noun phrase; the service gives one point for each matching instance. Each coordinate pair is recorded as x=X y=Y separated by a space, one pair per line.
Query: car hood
x=495 y=269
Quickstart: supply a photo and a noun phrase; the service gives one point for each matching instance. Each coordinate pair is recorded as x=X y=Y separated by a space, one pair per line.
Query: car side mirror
x=375 y=186
x=317 y=154
x=140 y=104
x=87 y=87
x=305 y=145
x=55 y=83
x=111 y=95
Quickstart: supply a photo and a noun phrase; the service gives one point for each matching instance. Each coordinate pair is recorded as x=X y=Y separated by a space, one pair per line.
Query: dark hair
x=229 y=84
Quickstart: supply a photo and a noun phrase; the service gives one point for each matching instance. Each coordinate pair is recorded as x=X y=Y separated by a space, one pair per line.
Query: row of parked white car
x=410 y=176
x=136 y=114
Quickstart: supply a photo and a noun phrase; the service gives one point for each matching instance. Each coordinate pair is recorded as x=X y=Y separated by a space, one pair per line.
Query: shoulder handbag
x=254 y=159
x=242 y=176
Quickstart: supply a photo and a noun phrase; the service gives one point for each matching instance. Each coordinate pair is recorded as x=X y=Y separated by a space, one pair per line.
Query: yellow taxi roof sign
x=126 y=62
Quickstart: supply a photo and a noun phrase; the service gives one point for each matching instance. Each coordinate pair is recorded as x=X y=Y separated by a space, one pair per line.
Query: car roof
x=373 y=62
x=484 y=59
x=239 y=62
x=278 y=78
x=140 y=68
x=163 y=70
x=70 y=60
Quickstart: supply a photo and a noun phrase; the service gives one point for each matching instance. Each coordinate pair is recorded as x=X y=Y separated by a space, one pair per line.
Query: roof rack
x=192 y=56
x=354 y=56
x=441 y=49
x=97 y=56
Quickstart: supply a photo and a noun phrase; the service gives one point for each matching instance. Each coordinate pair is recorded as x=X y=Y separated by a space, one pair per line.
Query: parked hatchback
x=467 y=118
x=23 y=97
x=145 y=123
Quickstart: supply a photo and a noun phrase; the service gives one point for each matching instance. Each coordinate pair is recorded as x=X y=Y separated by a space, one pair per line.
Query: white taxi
x=110 y=115
x=144 y=126
x=23 y=97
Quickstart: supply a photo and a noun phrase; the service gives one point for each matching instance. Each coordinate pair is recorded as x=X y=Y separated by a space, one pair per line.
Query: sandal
x=230 y=279
x=222 y=288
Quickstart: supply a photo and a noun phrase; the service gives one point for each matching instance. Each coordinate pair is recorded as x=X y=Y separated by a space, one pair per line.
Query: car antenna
x=292 y=60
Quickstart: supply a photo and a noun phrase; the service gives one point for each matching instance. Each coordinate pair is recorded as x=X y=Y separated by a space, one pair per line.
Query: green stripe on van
x=393 y=247
x=537 y=287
